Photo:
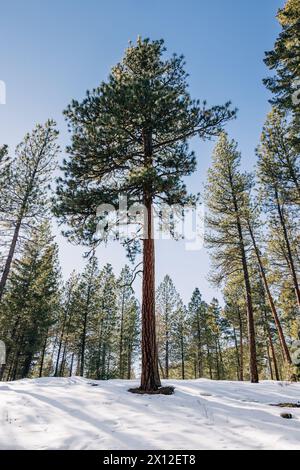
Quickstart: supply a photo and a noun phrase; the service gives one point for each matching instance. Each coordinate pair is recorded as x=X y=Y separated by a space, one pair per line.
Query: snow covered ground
x=53 y=413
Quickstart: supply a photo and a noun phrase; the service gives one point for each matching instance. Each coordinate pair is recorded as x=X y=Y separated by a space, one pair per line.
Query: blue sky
x=53 y=51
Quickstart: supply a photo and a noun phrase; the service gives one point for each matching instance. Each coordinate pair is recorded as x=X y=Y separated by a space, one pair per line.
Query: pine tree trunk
x=27 y=365
x=274 y=359
x=269 y=359
x=283 y=344
x=82 y=358
x=10 y=257
x=237 y=355
x=129 y=360
x=209 y=363
x=71 y=366
x=63 y=361
x=251 y=328
x=150 y=380
x=289 y=250
x=199 y=348
x=241 y=347
x=43 y=356
x=182 y=357
x=250 y=314
x=121 y=367
x=167 y=357
x=269 y=335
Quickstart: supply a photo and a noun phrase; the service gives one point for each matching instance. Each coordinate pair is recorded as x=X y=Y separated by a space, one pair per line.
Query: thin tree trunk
x=129 y=359
x=63 y=361
x=84 y=331
x=10 y=257
x=250 y=314
x=167 y=357
x=121 y=338
x=283 y=344
x=241 y=346
x=237 y=355
x=271 y=345
x=62 y=333
x=161 y=369
x=71 y=366
x=288 y=247
x=269 y=359
x=209 y=363
x=43 y=356
x=199 y=347
x=182 y=357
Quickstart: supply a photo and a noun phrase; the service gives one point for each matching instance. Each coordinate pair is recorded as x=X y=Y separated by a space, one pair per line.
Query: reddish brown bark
x=150 y=380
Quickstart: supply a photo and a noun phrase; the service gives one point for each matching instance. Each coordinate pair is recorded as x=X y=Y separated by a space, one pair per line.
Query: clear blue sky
x=54 y=50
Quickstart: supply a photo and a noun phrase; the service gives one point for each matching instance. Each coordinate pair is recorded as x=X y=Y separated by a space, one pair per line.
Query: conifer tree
x=197 y=312
x=65 y=321
x=284 y=60
x=214 y=331
x=29 y=306
x=107 y=363
x=227 y=194
x=234 y=312
x=88 y=302
x=27 y=179
x=181 y=333
x=253 y=223
x=167 y=300
x=127 y=323
x=129 y=136
x=273 y=190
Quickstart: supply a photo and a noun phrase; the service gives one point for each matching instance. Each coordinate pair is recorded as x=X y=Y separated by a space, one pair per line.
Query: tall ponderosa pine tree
x=227 y=200
x=129 y=136
x=253 y=223
x=27 y=180
x=275 y=192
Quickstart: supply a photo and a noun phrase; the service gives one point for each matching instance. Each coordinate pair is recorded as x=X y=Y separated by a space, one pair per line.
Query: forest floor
x=75 y=413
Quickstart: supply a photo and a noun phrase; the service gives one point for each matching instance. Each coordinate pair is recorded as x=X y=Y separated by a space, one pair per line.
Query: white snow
x=53 y=413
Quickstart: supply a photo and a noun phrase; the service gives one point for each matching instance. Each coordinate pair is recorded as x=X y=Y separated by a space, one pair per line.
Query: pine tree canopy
x=285 y=59
x=129 y=136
